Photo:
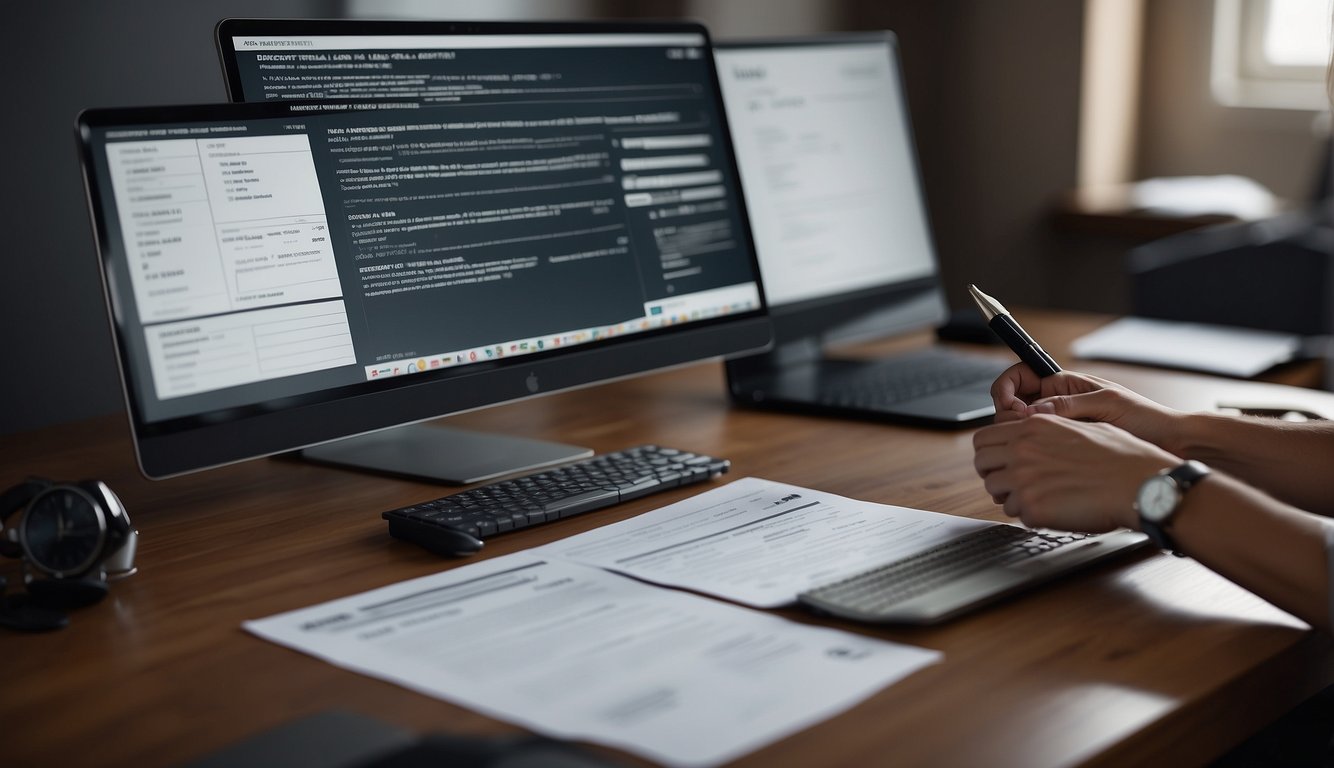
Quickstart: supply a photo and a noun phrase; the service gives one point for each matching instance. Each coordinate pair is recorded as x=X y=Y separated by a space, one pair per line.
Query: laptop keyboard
x=868 y=385
x=963 y=573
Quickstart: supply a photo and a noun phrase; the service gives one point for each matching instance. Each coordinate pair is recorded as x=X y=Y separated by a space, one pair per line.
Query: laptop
x=822 y=138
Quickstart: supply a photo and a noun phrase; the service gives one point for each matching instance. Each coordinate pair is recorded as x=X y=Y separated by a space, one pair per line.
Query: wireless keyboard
x=457 y=524
x=964 y=573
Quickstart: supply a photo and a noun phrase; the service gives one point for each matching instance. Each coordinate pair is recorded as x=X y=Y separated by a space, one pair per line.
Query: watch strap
x=17 y=497
x=1187 y=474
x=1159 y=536
x=11 y=501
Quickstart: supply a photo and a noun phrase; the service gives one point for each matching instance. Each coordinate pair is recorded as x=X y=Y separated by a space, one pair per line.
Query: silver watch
x=1161 y=495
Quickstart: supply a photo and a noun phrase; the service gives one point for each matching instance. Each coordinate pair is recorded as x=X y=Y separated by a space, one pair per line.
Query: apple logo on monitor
x=531 y=381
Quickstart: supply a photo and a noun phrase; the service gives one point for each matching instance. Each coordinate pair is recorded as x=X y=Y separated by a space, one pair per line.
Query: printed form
x=758 y=542
x=581 y=653
x=230 y=260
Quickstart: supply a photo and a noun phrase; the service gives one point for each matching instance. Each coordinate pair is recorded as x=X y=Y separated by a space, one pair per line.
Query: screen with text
x=517 y=201
x=822 y=140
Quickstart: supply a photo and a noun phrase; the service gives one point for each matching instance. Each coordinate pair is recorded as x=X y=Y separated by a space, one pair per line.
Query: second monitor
x=822 y=137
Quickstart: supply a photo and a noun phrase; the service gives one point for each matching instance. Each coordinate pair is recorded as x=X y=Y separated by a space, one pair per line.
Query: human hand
x=1019 y=392
x=1060 y=473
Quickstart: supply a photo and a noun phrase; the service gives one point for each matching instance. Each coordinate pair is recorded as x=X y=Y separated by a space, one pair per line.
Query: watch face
x=62 y=531
x=1157 y=498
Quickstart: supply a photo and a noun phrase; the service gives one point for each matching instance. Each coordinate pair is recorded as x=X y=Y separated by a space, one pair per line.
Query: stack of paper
x=556 y=639
x=579 y=653
x=553 y=640
x=1194 y=346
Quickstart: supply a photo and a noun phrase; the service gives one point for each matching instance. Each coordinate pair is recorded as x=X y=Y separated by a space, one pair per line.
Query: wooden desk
x=1151 y=661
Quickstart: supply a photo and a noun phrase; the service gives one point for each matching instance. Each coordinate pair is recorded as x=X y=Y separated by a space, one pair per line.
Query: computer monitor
x=824 y=145
x=282 y=275
x=825 y=149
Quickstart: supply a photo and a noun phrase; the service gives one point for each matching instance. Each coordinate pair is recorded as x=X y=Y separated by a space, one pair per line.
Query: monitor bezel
x=896 y=307
x=213 y=439
x=227 y=28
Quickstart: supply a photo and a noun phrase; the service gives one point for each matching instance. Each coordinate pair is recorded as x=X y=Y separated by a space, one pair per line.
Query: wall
x=994 y=91
x=1183 y=131
x=770 y=18
x=61 y=56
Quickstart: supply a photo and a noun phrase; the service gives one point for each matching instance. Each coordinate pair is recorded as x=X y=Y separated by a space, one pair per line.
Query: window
x=1271 y=53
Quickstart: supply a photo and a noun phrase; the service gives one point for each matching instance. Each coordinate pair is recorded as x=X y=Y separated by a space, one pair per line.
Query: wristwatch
x=68 y=531
x=1160 y=497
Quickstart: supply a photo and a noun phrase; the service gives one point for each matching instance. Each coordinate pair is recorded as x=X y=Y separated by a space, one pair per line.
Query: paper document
x=1218 y=349
x=759 y=542
x=580 y=653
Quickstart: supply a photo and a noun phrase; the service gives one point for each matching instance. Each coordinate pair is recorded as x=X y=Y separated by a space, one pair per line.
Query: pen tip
x=988 y=306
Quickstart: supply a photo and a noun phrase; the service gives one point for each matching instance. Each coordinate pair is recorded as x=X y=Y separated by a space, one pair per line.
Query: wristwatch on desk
x=1160 y=497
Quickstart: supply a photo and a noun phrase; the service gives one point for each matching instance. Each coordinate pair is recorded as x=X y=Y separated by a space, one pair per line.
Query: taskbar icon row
x=427 y=363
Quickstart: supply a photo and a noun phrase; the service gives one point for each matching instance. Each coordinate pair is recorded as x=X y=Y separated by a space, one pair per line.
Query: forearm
x=1266 y=546
x=1290 y=461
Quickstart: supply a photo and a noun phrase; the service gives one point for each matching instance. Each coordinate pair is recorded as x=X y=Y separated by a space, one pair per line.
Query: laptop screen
x=825 y=152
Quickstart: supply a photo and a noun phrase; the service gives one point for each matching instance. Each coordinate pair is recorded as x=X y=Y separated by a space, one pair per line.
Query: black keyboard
x=884 y=383
x=457 y=524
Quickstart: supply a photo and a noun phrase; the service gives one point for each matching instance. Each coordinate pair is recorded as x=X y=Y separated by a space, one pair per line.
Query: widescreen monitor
x=287 y=274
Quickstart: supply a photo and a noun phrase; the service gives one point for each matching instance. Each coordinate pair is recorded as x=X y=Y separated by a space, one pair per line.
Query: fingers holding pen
x=1018 y=389
x=1014 y=388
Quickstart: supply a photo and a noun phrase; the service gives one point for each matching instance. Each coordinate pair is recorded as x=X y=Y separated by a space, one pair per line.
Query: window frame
x=1240 y=76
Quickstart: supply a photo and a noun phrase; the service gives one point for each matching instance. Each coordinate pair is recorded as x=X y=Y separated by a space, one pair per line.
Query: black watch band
x=12 y=500
x=1158 y=535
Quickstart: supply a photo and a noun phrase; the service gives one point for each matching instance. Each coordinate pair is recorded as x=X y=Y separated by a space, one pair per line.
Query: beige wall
x=748 y=18
x=994 y=89
x=1184 y=132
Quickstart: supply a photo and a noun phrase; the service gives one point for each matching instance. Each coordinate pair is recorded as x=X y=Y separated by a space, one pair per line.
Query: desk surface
x=1152 y=660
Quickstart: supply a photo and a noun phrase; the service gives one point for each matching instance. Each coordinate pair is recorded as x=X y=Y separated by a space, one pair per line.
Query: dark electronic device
x=73 y=538
x=830 y=174
x=1275 y=274
x=287 y=274
x=455 y=525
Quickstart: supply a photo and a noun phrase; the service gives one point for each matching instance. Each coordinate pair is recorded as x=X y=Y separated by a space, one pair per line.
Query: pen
x=1014 y=336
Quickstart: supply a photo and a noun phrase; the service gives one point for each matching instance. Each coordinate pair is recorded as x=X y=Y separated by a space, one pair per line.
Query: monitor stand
x=443 y=454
